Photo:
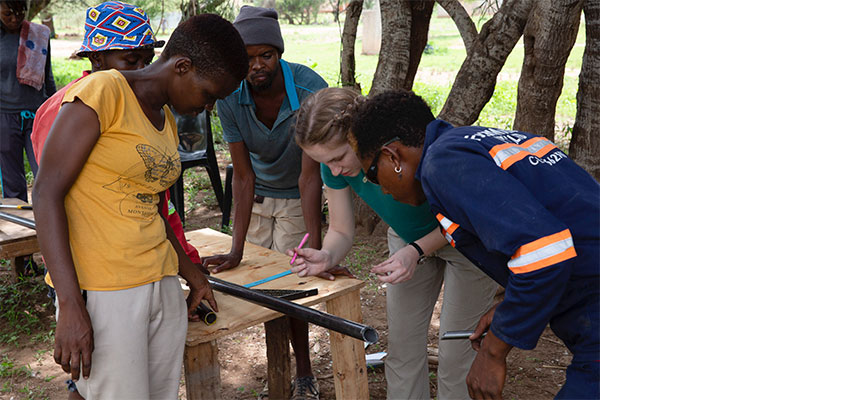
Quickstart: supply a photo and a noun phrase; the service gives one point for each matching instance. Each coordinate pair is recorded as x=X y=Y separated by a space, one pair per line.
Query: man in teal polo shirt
x=272 y=182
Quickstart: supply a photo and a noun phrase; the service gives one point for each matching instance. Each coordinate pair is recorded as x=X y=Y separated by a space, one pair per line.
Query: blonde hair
x=326 y=116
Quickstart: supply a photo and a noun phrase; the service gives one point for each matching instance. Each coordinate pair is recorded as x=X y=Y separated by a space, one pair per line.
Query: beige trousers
x=277 y=224
x=468 y=294
x=139 y=337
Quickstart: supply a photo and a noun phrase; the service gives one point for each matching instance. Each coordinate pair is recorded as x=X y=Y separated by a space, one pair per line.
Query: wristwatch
x=418 y=250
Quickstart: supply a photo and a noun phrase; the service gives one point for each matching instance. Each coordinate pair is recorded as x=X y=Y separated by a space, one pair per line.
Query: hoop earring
x=397 y=169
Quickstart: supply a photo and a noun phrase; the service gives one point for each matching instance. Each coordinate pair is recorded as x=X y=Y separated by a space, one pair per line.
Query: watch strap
x=418 y=249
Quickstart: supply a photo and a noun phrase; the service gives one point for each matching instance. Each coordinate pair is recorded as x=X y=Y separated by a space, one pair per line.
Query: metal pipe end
x=370 y=335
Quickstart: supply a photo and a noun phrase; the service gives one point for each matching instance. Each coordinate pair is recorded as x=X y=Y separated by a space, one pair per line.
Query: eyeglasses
x=372 y=172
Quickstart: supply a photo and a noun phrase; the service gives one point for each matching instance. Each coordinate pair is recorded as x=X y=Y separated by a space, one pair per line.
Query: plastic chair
x=196 y=149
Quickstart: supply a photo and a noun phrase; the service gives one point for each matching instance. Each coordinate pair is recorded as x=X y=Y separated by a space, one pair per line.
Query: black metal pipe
x=307 y=314
x=206 y=314
x=18 y=220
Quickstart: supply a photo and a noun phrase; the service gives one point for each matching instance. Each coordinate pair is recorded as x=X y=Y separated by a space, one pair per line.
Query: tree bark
x=462 y=20
x=347 y=68
x=584 y=146
x=549 y=37
x=420 y=13
x=34 y=7
x=473 y=87
x=395 y=47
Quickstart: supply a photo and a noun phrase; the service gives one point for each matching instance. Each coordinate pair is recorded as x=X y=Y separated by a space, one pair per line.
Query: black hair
x=393 y=113
x=16 y=6
x=212 y=44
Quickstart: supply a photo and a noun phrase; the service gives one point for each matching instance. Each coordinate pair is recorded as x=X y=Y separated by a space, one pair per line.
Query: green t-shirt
x=407 y=221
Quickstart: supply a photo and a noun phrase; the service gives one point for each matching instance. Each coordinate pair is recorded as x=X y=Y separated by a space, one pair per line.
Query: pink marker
x=300 y=245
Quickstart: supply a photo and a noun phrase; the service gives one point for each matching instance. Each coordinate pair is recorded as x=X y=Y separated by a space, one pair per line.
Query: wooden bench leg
x=203 y=377
x=349 y=355
x=277 y=356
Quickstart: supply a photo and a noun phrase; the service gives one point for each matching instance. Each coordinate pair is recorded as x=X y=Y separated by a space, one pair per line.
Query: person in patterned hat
x=118 y=36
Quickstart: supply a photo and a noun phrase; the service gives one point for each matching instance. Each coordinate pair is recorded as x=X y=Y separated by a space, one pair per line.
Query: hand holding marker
x=300 y=245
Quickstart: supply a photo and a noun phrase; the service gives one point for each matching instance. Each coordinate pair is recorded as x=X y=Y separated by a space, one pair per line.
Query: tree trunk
x=473 y=87
x=47 y=20
x=549 y=37
x=420 y=12
x=347 y=68
x=584 y=146
x=395 y=46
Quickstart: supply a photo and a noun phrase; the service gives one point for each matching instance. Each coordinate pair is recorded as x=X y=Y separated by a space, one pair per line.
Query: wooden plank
x=277 y=355
x=19 y=247
x=349 y=356
x=203 y=377
x=257 y=263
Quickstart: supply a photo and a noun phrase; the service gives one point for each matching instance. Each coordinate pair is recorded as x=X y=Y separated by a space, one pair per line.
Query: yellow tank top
x=117 y=236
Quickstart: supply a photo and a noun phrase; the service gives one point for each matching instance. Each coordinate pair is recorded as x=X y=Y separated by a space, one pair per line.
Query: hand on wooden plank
x=221 y=262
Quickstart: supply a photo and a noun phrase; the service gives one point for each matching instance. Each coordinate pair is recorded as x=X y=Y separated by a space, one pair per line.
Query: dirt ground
x=27 y=370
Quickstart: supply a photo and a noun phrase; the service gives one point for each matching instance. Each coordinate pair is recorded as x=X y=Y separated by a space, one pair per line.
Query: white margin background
x=725 y=206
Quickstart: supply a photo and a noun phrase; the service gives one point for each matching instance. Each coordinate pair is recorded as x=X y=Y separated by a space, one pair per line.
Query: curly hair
x=212 y=44
x=393 y=113
x=325 y=117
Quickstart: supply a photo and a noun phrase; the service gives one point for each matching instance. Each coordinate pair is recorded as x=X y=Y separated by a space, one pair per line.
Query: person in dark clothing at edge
x=26 y=81
x=514 y=204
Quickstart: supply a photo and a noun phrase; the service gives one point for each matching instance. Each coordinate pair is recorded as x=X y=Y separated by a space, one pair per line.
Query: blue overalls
x=528 y=216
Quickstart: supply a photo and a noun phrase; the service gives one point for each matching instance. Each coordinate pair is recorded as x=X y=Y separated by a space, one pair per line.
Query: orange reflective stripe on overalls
x=507 y=154
x=543 y=252
x=447 y=227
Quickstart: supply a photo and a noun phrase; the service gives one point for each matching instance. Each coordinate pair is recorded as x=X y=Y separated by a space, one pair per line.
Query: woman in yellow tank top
x=112 y=259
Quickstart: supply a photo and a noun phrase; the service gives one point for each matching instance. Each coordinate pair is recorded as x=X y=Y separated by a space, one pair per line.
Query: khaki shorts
x=139 y=337
x=277 y=224
x=467 y=295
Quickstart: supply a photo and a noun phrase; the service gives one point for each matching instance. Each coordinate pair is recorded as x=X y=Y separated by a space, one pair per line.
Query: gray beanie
x=258 y=25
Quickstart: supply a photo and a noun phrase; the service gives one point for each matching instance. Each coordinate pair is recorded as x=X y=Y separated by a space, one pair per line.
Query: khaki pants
x=139 y=337
x=277 y=224
x=468 y=294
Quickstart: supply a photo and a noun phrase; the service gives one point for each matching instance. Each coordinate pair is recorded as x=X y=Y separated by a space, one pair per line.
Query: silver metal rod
x=457 y=335
x=18 y=220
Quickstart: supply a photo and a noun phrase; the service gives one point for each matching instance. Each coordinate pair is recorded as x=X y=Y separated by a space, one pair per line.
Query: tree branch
x=473 y=87
x=462 y=20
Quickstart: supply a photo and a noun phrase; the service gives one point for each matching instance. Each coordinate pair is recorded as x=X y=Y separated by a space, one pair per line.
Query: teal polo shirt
x=275 y=157
x=409 y=222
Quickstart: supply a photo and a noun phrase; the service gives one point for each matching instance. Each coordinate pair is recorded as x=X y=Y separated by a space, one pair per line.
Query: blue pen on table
x=271 y=278
x=282 y=274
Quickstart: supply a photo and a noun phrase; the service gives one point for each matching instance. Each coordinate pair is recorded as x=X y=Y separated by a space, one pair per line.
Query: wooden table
x=342 y=298
x=17 y=241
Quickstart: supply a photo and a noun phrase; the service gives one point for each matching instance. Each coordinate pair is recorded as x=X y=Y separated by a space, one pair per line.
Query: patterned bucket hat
x=114 y=25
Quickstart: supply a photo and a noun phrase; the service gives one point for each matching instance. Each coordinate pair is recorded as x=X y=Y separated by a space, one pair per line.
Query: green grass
x=65 y=70
x=22 y=301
